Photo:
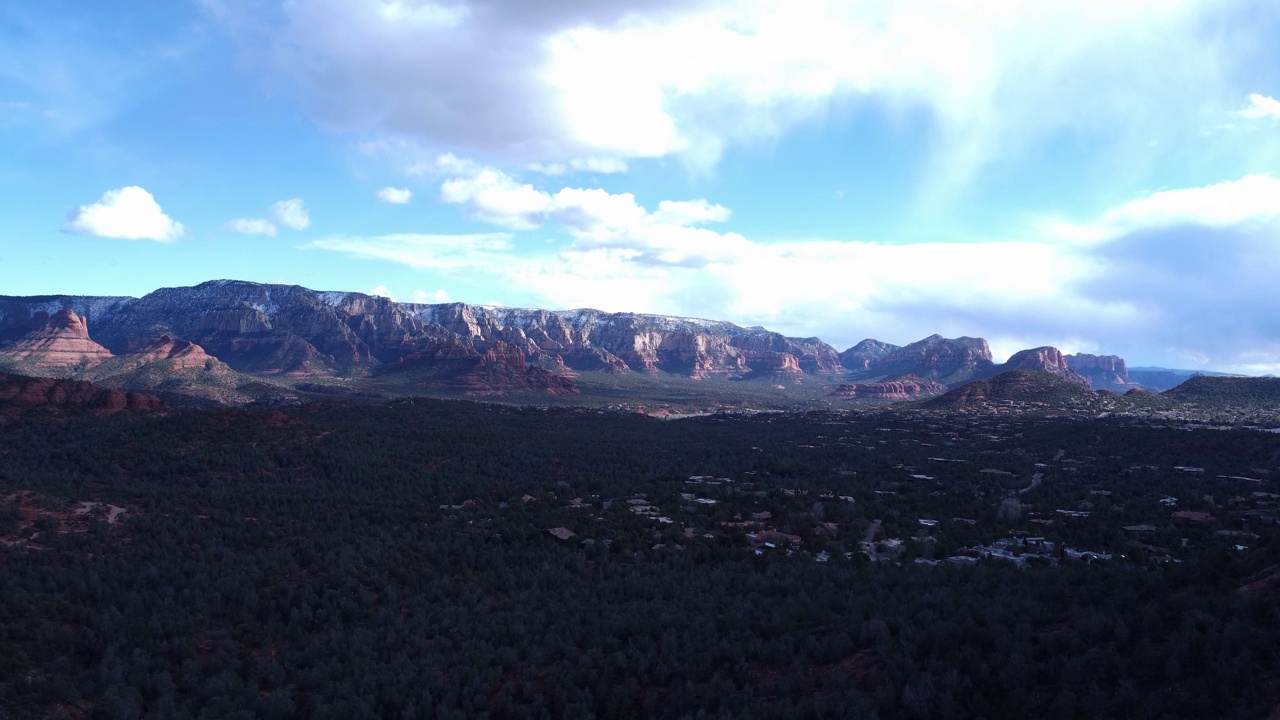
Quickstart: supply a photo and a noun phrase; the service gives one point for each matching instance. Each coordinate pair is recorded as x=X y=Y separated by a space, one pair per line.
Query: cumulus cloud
x=252 y=226
x=395 y=196
x=1261 y=106
x=569 y=86
x=595 y=217
x=291 y=213
x=128 y=213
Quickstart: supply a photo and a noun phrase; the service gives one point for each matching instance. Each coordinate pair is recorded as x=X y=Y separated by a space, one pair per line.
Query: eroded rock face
x=291 y=331
x=1046 y=359
x=17 y=391
x=454 y=364
x=180 y=354
x=1104 y=372
x=901 y=389
x=59 y=347
x=265 y=329
x=945 y=360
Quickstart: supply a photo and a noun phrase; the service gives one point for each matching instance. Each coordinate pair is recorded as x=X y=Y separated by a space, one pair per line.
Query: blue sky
x=1099 y=176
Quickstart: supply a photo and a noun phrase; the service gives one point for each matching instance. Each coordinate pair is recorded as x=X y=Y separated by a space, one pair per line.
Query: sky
x=1095 y=175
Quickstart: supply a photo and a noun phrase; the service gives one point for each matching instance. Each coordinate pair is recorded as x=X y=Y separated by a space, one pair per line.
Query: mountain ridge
x=236 y=334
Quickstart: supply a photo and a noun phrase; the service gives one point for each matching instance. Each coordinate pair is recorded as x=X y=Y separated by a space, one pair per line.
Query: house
x=562 y=533
x=1193 y=516
x=773 y=538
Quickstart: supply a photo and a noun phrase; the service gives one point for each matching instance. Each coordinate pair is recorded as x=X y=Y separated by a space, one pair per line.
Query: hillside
x=1017 y=388
x=1226 y=391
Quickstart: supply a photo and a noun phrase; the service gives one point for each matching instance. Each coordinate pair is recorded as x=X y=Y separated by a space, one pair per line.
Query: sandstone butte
x=60 y=346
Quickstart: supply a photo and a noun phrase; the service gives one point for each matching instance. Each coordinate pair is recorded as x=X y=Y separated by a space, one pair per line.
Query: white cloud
x=1261 y=106
x=252 y=226
x=594 y=217
x=418 y=296
x=420 y=250
x=291 y=213
x=572 y=82
x=690 y=212
x=601 y=165
x=439 y=296
x=128 y=213
x=494 y=197
x=395 y=196
x=1252 y=198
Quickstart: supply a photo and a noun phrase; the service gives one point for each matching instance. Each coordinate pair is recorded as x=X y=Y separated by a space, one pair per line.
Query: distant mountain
x=1104 y=372
x=948 y=361
x=229 y=341
x=944 y=360
x=1015 y=387
x=866 y=354
x=287 y=334
x=1159 y=379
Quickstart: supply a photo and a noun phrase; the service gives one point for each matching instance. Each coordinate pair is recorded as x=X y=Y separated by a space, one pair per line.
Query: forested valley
x=443 y=559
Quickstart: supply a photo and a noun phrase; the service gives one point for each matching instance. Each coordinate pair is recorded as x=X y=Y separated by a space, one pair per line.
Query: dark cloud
x=1207 y=291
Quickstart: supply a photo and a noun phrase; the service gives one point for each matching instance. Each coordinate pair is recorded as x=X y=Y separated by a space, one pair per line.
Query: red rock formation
x=60 y=347
x=1047 y=359
x=1104 y=372
x=944 y=360
x=500 y=369
x=909 y=388
x=181 y=355
x=21 y=392
x=781 y=366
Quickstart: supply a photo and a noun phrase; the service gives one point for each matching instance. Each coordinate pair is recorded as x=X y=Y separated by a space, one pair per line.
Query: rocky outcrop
x=1104 y=372
x=261 y=329
x=949 y=361
x=1045 y=359
x=909 y=388
x=781 y=367
x=20 y=393
x=60 y=347
x=501 y=369
x=178 y=354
